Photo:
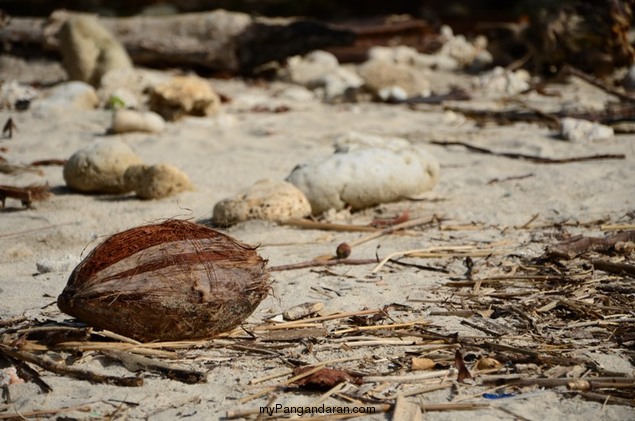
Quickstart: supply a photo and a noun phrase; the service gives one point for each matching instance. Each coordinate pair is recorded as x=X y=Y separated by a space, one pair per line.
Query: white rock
x=576 y=130
x=156 y=181
x=365 y=176
x=63 y=264
x=124 y=121
x=100 y=167
x=305 y=70
x=320 y=69
x=266 y=199
x=66 y=97
x=500 y=81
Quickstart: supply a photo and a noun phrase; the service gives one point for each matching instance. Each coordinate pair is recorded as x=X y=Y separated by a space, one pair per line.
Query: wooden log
x=220 y=41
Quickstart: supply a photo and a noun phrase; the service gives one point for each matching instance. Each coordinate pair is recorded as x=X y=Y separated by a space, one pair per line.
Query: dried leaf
x=464 y=373
x=325 y=378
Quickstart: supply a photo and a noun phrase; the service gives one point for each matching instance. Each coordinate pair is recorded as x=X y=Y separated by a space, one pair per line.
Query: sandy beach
x=511 y=209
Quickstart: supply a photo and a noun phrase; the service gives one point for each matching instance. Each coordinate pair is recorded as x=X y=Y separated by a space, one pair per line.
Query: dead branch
x=136 y=363
x=577 y=245
x=617 y=268
x=532 y=158
x=317 y=262
x=218 y=40
x=61 y=369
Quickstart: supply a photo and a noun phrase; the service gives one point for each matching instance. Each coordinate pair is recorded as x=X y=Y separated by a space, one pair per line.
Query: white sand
x=227 y=153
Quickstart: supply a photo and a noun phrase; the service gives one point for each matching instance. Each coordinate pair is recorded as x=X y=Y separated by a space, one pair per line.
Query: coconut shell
x=170 y=281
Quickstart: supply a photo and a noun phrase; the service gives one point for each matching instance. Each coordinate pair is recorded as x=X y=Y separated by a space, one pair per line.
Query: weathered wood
x=218 y=40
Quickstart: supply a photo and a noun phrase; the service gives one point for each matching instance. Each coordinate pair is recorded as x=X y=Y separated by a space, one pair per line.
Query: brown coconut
x=170 y=281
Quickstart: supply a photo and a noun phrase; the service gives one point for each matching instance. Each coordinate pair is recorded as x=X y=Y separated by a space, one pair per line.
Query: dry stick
x=326 y=226
x=532 y=158
x=607 y=399
x=408 y=379
x=376 y=234
x=41 y=412
x=314 y=263
x=61 y=369
x=379 y=327
x=618 y=268
x=394 y=228
x=595 y=82
x=135 y=363
x=295 y=323
x=287 y=372
x=433 y=252
x=468 y=406
x=577 y=245
x=421 y=390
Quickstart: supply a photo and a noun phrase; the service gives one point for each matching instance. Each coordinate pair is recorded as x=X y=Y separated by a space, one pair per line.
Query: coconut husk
x=169 y=281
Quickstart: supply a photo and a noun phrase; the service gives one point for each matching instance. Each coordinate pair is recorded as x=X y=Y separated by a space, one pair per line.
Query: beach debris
x=343 y=251
x=124 y=121
x=500 y=81
x=323 y=377
x=67 y=96
x=166 y=282
x=100 y=167
x=365 y=176
x=574 y=246
x=267 y=199
x=26 y=195
x=88 y=50
x=9 y=376
x=577 y=130
x=422 y=363
x=156 y=181
x=8 y=128
x=16 y=96
x=463 y=373
x=182 y=96
x=532 y=158
x=302 y=310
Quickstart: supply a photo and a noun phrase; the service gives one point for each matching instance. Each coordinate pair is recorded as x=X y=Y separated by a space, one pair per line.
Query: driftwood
x=219 y=40
x=577 y=245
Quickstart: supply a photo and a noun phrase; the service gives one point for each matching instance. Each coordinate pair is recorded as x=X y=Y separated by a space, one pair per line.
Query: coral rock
x=266 y=199
x=184 y=95
x=156 y=181
x=381 y=76
x=365 y=176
